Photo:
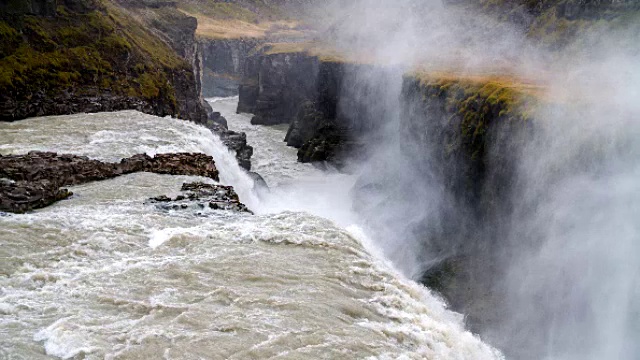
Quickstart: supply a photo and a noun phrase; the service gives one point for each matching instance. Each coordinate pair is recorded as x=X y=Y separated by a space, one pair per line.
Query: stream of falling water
x=104 y=275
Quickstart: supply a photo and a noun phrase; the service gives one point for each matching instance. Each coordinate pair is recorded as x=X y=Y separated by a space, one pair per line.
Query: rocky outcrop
x=464 y=136
x=280 y=83
x=34 y=180
x=248 y=93
x=235 y=141
x=223 y=63
x=178 y=31
x=320 y=99
x=200 y=196
x=92 y=56
x=69 y=102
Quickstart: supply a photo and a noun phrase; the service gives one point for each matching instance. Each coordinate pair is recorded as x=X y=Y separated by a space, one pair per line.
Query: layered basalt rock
x=34 y=180
x=280 y=83
x=199 y=196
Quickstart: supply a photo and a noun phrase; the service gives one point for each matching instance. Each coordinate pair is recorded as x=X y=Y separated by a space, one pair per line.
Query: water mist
x=562 y=251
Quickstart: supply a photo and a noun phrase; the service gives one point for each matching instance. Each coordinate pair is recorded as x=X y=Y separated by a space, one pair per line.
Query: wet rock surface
x=321 y=101
x=224 y=64
x=35 y=180
x=235 y=141
x=199 y=197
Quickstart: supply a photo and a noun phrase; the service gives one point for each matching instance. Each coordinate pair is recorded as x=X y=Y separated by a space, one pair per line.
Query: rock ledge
x=35 y=180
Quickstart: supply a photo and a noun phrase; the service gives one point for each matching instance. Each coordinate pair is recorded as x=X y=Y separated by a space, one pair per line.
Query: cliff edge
x=94 y=55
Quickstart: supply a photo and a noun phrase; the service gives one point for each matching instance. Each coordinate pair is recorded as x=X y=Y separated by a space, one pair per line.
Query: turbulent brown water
x=104 y=275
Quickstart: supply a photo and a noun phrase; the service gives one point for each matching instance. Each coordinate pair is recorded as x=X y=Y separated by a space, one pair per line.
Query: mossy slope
x=86 y=51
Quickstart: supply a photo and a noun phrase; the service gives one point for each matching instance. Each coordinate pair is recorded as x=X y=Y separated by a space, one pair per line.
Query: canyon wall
x=223 y=64
x=320 y=98
x=460 y=137
x=91 y=56
x=465 y=136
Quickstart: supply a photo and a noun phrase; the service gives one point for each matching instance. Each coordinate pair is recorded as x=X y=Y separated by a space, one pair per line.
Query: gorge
x=500 y=175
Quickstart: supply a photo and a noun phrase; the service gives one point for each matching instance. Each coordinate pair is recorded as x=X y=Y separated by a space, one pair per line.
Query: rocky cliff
x=459 y=133
x=224 y=64
x=321 y=98
x=465 y=134
x=92 y=55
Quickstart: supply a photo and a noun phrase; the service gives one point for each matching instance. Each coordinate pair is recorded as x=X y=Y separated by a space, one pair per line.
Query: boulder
x=199 y=196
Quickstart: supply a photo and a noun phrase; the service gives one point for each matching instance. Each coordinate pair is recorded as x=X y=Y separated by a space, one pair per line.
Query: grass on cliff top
x=252 y=11
x=320 y=50
x=239 y=19
x=558 y=32
x=212 y=28
x=514 y=95
x=479 y=100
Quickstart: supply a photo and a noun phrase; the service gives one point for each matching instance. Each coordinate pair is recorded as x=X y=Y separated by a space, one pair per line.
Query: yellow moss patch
x=322 y=51
x=510 y=92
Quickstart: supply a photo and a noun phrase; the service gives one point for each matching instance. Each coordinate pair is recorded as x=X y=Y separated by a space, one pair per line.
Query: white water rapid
x=105 y=276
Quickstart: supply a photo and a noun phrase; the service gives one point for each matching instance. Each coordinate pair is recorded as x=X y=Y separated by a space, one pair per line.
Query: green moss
x=148 y=86
x=9 y=39
x=101 y=48
x=150 y=48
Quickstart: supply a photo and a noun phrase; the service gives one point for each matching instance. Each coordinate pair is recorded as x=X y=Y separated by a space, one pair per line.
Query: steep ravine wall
x=223 y=64
x=90 y=56
x=465 y=136
x=321 y=100
x=461 y=137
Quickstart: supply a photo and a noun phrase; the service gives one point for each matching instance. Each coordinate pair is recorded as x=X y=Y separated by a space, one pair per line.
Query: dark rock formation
x=9 y=8
x=96 y=56
x=199 y=196
x=466 y=142
x=34 y=180
x=283 y=82
x=68 y=102
x=236 y=142
x=312 y=95
x=217 y=118
x=248 y=92
x=304 y=125
x=224 y=64
x=178 y=30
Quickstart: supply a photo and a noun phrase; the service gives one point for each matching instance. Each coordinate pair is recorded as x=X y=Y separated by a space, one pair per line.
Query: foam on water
x=104 y=275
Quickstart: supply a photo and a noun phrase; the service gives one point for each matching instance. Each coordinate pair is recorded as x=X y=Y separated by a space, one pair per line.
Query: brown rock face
x=34 y=180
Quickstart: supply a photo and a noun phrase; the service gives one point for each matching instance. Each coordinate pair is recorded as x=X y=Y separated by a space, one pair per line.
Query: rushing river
x=104 y=275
